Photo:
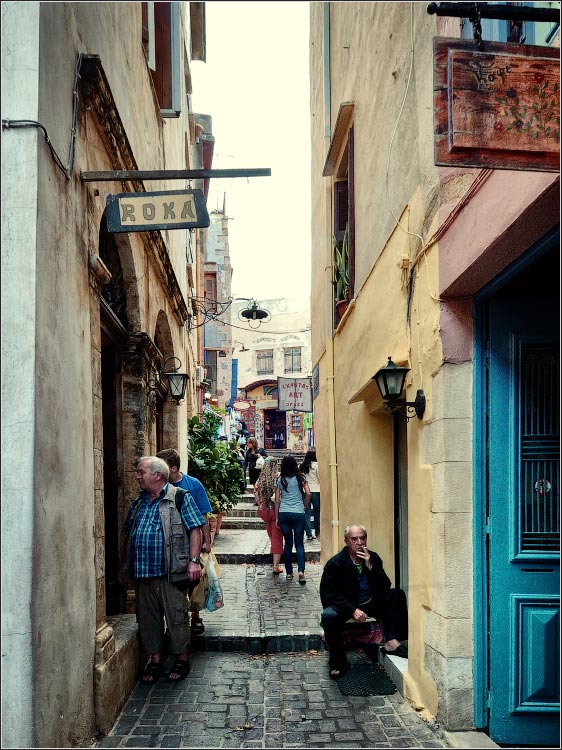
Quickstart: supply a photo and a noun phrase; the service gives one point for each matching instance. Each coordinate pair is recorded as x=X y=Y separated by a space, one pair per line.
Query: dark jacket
x=339 y=585
x=251 y=457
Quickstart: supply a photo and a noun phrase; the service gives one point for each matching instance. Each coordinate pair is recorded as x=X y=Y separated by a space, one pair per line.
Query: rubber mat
x=366 y=679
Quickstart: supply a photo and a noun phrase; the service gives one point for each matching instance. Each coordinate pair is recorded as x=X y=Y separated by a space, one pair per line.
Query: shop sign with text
x=295 y=394
x=496 y=108
x=141 y=212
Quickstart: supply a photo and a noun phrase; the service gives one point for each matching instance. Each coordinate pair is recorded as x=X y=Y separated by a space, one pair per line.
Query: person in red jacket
x=354 y=585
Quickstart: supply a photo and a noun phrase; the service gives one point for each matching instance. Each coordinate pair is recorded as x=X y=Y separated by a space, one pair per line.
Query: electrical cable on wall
x=8 y=124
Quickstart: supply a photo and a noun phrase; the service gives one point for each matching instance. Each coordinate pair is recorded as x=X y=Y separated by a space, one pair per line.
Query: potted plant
x=341 y=272
x=214 y=463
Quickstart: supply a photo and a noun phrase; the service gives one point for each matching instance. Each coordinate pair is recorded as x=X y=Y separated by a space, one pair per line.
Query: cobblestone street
x=259 y=674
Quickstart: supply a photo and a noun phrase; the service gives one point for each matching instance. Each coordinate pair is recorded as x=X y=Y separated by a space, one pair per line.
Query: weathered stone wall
x=53 y=246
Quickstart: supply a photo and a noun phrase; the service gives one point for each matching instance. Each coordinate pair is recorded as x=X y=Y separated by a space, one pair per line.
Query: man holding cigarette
x=354 y=585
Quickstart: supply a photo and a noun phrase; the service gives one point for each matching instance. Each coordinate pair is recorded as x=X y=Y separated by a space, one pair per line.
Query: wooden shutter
x=162 y=76
x=351 y=208
x=340 y=209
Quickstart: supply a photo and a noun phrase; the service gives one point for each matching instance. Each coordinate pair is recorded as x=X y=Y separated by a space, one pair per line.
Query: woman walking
x=252 y=460
x=309 y=468
x=292 y=496
x=263 y=491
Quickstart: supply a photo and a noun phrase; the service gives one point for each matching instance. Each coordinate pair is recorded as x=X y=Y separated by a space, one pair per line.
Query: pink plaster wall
x=510 y=212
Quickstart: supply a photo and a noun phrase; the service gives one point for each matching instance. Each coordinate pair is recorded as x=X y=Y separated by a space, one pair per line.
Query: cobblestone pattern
x=263 y=612
x=274 y=701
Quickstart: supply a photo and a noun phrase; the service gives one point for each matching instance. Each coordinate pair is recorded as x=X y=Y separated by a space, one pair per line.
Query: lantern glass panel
x=177 y=382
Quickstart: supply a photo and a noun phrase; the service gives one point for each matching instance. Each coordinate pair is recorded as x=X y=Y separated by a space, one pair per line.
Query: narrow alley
x=259 y=675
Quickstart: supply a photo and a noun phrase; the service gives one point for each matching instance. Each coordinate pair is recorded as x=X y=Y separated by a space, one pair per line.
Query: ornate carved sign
x=496 y=108
x=139 y=212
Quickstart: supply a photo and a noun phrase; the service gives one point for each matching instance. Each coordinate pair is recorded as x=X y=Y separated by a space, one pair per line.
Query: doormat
x=366 y=679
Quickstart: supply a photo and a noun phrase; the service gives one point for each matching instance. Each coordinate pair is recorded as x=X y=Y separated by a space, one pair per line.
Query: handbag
x=260 y=461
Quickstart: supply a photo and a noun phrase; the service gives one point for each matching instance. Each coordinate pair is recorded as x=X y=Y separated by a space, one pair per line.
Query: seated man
x=355 y=585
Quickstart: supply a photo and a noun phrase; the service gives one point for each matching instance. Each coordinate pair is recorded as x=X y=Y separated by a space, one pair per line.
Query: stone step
x=263 y=613
x=260 y=558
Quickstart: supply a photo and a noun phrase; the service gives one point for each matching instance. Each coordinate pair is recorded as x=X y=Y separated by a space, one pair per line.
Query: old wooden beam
x=170 y=174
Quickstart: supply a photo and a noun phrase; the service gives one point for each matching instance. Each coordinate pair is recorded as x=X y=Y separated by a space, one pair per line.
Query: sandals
x=276 y=571
x=153 y=670
x=289 y=576
x=182 y=667
x=302 y=579
x=336 y=673
x=197 y=627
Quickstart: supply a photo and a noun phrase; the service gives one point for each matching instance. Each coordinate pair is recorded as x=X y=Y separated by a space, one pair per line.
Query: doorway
x=275 y=429
x=400 y=503
x=518 y=503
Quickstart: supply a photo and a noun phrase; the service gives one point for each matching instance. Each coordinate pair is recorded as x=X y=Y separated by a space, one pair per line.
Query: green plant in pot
x=214 y=462
x=341 y=267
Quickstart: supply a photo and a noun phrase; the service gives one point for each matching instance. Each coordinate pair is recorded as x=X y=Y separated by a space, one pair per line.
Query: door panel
x=524 y=521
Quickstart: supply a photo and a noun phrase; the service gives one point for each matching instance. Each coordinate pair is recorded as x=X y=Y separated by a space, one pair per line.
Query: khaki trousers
x=157 y=599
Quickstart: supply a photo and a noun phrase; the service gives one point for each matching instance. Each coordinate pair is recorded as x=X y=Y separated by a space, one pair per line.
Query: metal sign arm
x=171 y=174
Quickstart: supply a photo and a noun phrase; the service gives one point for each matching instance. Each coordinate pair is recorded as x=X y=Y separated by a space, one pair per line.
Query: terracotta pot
x=341 y=307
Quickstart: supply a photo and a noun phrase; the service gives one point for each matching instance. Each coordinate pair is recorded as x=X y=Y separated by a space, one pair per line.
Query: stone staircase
x=245 y=516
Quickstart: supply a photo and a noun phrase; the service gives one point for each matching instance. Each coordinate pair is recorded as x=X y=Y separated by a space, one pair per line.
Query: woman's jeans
x=292 y=526
x=314 y=505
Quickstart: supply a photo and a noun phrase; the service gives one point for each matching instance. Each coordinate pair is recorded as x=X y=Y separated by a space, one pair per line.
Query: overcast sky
x=255 y=86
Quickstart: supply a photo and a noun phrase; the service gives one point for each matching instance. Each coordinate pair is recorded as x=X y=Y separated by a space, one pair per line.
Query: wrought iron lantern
x=177 y=381
x=254 y=314
x=390 y=381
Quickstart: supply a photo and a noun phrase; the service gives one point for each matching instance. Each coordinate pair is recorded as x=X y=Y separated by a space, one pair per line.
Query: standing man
x=197 y=492
x=155 y=555
x=354 y=584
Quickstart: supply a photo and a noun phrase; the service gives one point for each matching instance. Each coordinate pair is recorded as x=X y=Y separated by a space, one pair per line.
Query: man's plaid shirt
x=147 y=534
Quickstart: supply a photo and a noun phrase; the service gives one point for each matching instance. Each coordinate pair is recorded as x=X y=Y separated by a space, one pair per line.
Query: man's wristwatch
x=195 y=560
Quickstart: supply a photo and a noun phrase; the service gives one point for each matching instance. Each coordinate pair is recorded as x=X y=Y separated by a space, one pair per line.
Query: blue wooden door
x=523 y=481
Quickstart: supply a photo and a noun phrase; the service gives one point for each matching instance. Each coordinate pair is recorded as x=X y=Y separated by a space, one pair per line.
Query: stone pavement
x=259 y=675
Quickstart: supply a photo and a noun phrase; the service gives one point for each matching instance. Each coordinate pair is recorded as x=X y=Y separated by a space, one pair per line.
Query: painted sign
x=141 y=212
x=496 y=108
x=294 y=394
x=241 y=405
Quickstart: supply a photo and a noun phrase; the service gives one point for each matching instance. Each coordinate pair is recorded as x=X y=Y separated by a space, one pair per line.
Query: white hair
x=156 y=465
x=354 y=526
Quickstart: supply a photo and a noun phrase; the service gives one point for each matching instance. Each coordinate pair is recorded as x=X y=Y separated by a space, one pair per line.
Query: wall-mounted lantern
x=176 y=381
x=390 y=381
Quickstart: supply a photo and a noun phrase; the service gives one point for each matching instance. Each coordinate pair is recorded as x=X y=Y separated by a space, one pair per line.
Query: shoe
x=152 y=672
x=309 y=538
x=276 y=571
x=302 y=579
x=336 y=673
x=197 y=628
x=182 y=667
x=289 y=576
x=402 y=651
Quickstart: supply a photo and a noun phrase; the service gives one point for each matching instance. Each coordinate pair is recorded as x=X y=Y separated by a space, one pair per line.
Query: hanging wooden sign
x=141 y=212
x=496 y=108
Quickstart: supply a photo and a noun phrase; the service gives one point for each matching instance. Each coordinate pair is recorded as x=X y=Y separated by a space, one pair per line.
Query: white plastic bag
x=214 y=599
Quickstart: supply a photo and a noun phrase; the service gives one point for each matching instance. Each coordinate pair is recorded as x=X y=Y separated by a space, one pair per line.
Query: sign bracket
x=170 y=174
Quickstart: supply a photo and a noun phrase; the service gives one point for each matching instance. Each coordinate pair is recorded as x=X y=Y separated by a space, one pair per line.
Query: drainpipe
x=329 y=334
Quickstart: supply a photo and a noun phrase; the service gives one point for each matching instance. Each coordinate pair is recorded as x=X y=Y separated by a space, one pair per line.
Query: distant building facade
x=279 y=348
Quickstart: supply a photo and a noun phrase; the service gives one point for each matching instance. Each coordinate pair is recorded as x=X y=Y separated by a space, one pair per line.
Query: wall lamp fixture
x=177 y=381
x=390 y=381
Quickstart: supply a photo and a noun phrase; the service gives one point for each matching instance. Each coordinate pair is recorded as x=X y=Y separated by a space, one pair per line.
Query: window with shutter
x=211 y=291
x=340 y=166
x=264 y=362
x=161 y=42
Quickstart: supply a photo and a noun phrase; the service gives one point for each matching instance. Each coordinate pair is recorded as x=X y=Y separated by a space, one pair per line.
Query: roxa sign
x=141 y=212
